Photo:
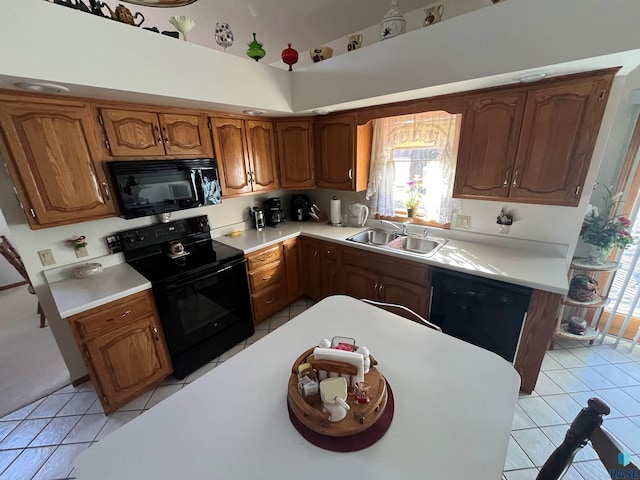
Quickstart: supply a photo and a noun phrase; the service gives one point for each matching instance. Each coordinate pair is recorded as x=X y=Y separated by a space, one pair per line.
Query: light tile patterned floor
x=41 y=440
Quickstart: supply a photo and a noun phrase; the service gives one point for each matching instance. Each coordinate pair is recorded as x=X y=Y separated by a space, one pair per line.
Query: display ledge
x=597 y=302
x=536 y=265
x=589 y=334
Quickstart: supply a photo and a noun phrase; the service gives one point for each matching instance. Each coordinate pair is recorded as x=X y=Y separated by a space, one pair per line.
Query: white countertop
x=531 y=264
x=232 y=422
x=74 y=295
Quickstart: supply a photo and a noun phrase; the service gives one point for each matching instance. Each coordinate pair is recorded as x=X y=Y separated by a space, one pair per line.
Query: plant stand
x=592 y=331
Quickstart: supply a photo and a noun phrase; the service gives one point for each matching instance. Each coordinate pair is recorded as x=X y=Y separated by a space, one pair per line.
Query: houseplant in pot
x=603 y=231
x=415 y=190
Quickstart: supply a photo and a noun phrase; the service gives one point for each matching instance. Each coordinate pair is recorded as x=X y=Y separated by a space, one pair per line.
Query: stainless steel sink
x=422 y=246
x=373 y=236
x=396 y=241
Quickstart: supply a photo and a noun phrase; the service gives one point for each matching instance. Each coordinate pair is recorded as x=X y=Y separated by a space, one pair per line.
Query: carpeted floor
x=30 y=363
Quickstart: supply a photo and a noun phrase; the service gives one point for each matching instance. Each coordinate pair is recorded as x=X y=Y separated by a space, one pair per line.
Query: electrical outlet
x=463 y=221
x=503 y=229
x=46 y=257
x=82 y=252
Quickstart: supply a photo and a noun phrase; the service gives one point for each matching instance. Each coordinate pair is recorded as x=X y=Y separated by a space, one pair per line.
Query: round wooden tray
x=359 y=418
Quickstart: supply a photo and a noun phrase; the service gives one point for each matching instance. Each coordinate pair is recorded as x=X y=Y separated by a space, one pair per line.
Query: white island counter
x=454 y=405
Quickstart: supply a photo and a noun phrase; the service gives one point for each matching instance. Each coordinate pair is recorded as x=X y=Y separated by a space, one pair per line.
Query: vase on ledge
x=598 y=255
x=411 y=212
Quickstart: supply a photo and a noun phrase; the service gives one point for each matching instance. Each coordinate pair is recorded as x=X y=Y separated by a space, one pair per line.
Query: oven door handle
x=193 y=278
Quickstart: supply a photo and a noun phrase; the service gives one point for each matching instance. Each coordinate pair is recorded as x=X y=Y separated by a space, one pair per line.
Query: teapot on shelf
x=122 y=14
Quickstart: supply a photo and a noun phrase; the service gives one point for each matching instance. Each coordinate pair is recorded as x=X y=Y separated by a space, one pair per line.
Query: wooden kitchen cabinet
x=386 y=279
x=123 y=346
x=532 y=145
x=343 y=152
x=321 y=268
x=135 y=134
x=51 y=151
x=292 y=260
x=267 y=275
x=295 y=154
x=245 y=150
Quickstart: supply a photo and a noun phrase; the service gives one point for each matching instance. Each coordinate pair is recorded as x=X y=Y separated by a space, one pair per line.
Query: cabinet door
x=295 y=154
x=292 y=264
x=488 y=144
x=262 y=155
x=132 y=134
x=360 y=283
x=330 y=278
x=51 y=153
x=335 y=152
x=231 y=152
x=311 y=268
x=406 y=294
x=128 y=361
x=559 y=131
x=184 y=134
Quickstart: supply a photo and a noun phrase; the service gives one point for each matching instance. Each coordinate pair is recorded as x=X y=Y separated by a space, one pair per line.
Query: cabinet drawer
x=269 y=301
x=263 y=257
x=266 y=276
x=385 y=265
x=106 y=318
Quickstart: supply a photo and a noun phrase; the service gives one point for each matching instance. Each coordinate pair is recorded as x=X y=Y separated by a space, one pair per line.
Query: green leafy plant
x=607 y=229
x=415 y=190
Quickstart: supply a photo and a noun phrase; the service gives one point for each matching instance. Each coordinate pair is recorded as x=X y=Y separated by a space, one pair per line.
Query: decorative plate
x=161 y=3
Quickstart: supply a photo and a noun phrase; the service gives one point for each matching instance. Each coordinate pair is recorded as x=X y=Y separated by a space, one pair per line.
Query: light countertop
x=232 y=423
x=531 y=264
x=74 y=295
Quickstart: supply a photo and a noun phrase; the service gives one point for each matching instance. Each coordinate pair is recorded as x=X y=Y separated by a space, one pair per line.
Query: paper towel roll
x=336 y=211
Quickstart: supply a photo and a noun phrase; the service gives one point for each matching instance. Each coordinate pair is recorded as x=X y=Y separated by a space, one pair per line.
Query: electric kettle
x=358 y=214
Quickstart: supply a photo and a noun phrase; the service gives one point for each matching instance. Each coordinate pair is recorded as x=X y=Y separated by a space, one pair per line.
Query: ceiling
x=303 y=23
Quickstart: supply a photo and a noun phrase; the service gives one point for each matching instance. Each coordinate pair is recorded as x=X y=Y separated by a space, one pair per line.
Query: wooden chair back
x=13 y=257
x=587 y=426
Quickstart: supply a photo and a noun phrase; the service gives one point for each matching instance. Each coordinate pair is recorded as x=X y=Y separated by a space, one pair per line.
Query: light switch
x=46 y=257
x=463 y=221
x=504 y=229
x=81 y=252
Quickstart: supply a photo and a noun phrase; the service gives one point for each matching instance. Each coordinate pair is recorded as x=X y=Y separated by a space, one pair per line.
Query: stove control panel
x=163 y=232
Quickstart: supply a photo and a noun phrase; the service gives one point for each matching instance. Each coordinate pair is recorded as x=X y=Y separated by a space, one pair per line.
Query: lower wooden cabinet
x=274 y=278
x=123 y=346
x=386 y=279
x=320 y=268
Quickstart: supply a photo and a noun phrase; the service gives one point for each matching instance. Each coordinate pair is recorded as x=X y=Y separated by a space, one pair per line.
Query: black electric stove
x=201 y=292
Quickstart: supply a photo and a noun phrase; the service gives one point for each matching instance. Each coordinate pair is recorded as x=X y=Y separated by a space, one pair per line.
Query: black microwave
x=152 y=187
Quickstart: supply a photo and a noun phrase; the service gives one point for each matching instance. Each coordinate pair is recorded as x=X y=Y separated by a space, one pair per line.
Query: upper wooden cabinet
x=343 y=151
x=295 y=154
x=149 y=134
x=50 y=149
x=245 y=150
x=531 y=145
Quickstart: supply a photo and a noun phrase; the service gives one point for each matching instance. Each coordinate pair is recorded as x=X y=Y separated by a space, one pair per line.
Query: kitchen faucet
x=403 y=230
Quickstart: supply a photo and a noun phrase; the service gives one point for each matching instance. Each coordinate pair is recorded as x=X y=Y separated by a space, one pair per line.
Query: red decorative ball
x=290 y=56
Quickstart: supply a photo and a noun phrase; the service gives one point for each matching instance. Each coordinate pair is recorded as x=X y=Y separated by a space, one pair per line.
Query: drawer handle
x=273 y=299
x=125 y=313
x=155 y=330
x=264 y=279
x=106 y=191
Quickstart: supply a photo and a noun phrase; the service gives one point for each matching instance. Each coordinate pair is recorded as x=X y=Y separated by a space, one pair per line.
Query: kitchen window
x=418 y=148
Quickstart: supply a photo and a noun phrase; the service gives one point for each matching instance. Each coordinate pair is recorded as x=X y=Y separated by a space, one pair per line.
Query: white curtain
x=436 y=130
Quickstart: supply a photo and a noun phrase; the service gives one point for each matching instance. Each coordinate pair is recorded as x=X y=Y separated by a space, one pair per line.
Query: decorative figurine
x=504 y=218
x=320 y=53
x=393 y=23
x=362 y=392
x=224 y=35
x=183 y=25
x=290 y=56
x=433 y=15
x=255 y=50
x=355 y=41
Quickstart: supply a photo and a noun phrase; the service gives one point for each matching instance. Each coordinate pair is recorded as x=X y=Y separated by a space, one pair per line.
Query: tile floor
x=41 y=440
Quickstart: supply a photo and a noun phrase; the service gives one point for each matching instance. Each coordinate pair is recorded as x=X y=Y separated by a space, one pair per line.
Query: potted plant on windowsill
x=604 y=232
x=415 y=190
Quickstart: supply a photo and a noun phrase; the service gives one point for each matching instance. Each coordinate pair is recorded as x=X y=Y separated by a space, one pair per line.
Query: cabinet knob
x=158 y=134
x=506 y=178
x=106 y=191
x=166 y=137
x=515 y=178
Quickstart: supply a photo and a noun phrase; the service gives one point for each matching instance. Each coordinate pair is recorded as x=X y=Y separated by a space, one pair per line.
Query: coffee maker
x=300 y=207
x=258 y=218
x=274 y=212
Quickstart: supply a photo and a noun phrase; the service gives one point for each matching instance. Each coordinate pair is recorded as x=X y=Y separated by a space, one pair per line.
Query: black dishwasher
x=487 y=313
